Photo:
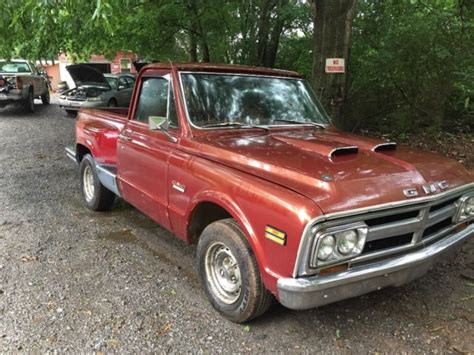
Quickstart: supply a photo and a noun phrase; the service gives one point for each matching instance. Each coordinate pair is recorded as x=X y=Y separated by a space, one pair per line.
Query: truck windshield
x=14 y=67
x=215 y=100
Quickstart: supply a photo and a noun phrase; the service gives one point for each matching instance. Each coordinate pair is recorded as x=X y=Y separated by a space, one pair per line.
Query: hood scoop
x=343 y=152
x=385 y=147
x=328 y=149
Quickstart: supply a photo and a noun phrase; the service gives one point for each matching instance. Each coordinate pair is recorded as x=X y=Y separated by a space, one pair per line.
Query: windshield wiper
x=223 y=124
x=234 y=124
x=320 y=125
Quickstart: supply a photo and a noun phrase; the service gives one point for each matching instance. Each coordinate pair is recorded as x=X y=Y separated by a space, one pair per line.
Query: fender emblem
x=177 y=186
x=427 y=189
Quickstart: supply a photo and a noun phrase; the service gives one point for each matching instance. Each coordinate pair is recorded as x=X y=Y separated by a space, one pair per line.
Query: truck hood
x=85 y=75
x=338 y=171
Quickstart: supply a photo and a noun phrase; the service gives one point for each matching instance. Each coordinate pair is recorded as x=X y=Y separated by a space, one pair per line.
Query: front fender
x=223 y=200
x=253 y=202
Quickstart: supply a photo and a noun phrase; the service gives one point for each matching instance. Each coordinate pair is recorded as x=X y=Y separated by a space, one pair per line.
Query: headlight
x=337 y=244
x=94 y=99
x=465 y=208
x=347 y=241
x=326 y=247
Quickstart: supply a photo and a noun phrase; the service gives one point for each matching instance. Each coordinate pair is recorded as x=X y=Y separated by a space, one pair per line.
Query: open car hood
x=83 y=74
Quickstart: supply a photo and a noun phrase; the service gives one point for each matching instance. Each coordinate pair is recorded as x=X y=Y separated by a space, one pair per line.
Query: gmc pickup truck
x=21 y=83
x=245 y=162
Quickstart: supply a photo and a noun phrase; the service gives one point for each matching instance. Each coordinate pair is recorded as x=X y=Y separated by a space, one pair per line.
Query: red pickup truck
x=244 y=162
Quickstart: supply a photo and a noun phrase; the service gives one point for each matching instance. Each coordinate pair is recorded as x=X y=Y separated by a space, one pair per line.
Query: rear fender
x=98 y=132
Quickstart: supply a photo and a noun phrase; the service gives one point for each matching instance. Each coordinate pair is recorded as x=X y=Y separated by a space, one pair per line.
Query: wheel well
x=204 y=214
x=81 y=151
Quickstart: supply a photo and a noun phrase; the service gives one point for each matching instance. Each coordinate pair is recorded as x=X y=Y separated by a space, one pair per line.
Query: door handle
x=125 y=138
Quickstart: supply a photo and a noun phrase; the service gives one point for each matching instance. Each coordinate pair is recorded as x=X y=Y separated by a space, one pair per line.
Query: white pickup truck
x=21 y=83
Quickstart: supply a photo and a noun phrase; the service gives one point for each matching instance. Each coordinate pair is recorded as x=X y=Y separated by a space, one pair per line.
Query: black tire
x=71 y=112
x=29 y=104
x=252 y=299
x=112 y=103
x=95 y=195
x=45 y=98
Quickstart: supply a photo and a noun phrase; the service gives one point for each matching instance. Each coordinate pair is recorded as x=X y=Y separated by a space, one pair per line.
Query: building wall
x=53 y=73
x=127 y=57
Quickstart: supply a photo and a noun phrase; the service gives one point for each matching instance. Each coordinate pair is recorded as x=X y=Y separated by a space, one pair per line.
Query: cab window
x=153 y=99
x=156 y=98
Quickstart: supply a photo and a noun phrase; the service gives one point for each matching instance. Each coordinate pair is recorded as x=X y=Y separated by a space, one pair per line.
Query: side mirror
x=158 y=123
x=121 y=87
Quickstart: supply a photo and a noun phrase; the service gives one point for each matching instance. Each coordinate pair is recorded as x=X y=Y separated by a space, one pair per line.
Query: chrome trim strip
x=441 y=215
x=108 y=178
x=388 y=230
x=304 y=247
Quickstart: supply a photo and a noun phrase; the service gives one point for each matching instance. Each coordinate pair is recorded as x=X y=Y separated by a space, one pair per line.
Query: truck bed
x=97 y=131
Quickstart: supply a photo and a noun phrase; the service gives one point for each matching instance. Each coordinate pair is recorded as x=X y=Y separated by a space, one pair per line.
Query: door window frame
x=168 y=77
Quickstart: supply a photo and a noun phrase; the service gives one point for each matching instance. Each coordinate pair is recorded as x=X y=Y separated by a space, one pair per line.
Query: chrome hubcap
x=88 y=182
x=223 y=273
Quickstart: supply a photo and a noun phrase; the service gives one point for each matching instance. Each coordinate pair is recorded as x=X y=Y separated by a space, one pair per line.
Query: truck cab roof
x=222 y=68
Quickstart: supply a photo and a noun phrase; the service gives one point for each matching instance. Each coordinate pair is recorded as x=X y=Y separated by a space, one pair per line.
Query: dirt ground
x=74 y=280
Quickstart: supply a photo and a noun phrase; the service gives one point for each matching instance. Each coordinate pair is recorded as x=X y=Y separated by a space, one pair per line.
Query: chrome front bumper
x=13 y=96
x=77 y=105
x=315 y=291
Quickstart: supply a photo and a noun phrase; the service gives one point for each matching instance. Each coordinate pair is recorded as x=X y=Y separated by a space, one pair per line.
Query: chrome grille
x=393 y=229
x=409 y=227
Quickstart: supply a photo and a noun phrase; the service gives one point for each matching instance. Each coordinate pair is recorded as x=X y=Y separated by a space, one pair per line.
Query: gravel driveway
x=72 y=280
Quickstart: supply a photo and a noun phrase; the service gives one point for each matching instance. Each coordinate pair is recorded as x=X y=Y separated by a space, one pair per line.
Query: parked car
x=245 y=162
x=95 y=89
x=21 y=83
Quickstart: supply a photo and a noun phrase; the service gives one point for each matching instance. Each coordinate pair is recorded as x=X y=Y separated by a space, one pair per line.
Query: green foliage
x=235 y=31
x=412 y=66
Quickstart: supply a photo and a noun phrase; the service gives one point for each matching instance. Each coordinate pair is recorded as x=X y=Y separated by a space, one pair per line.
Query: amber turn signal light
x=334 y=269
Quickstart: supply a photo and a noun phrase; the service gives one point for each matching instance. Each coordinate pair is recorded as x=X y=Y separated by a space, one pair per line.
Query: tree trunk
x=198 y=34
x=274 y=40
x=263 y=31
x=332 y=39
x=192 y=48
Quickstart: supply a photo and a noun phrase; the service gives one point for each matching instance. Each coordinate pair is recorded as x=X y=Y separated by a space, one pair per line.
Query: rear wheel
x=30 y=102
x=95 y=195
x=112 y=103
x=230 y=274
x=45 y=98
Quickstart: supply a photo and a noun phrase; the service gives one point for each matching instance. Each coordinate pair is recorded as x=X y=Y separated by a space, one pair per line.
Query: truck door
x=143 y=154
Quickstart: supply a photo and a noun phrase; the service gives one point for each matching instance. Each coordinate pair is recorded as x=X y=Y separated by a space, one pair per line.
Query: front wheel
x=95 y=195
x=230 y=274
